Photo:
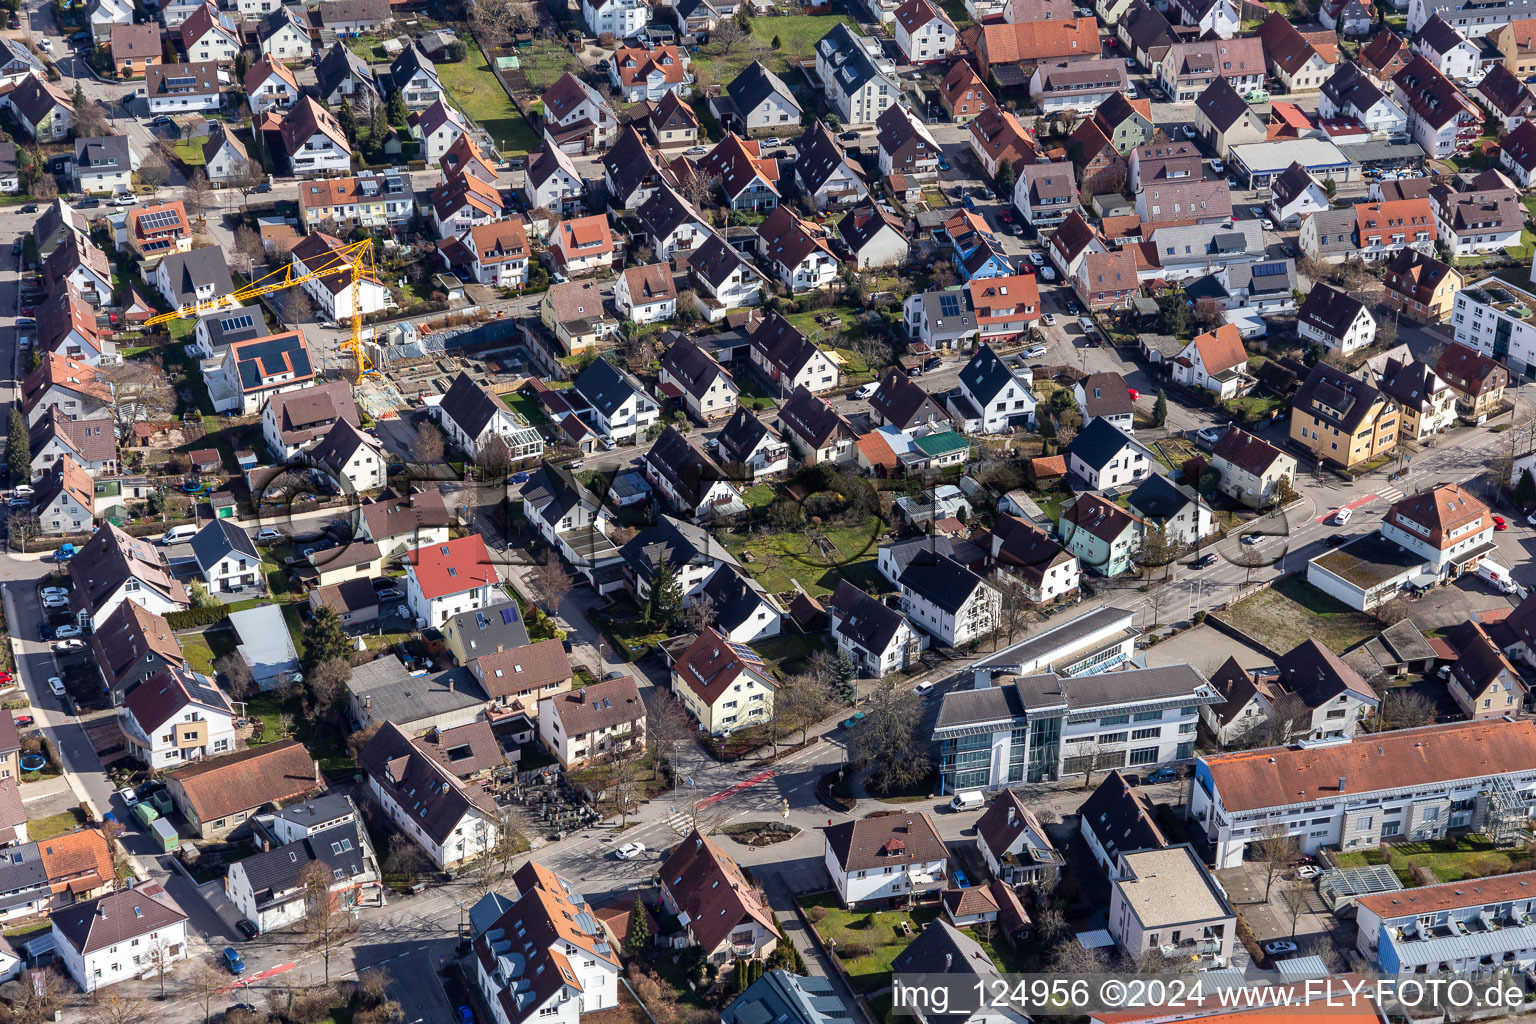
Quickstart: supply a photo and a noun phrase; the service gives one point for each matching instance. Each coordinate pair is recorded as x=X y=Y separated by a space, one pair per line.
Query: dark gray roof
x=688 y=469
x=23 y=877
x=943 y=949
x=106 y=151
x=812 y=418
x=410 y=61
x=1099 y=442
x=606 y=386
x=974 y=707
x=961 y=550
x=554 y=490
x=220 y=538
x=489 y=630
x=851 y=67
x=469 y=405
x=866 y=621
x=678 y=542
x=755 y=84
x=734 y=596
x=1161 y=498
x=742 y=434
x=940 y=580
x=628 y=163
x=1330 y=310
x=203 y=266
x=716 y=260
x=1121 y=818
x=783 y=998
x=817 y=155
x=228 y=326
x=277 y=876
x=986 y=375
x=1221 y=104
x=663 y=212
x=393 y=695
x=339 y=64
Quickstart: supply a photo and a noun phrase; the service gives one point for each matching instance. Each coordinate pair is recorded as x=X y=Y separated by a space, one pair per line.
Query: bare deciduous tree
x=427 y=445
x=153 y=170
x=110 y=1006
x=802 y=701
x=1273 y=851
x=666 y=723
x=888 y=740
x=139 y=393
x=236 y=673
x=207 y=984
x=552 y=581
x=701 y=614
x=248 y=250
x=327 y=925
x=196 y=194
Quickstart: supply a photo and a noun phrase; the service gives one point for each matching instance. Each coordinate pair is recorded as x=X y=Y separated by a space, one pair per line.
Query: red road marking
x=1351 y=506
x=715 y=798
x=270 y=972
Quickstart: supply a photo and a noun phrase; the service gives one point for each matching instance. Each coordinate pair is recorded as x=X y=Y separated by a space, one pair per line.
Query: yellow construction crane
x=355 y=259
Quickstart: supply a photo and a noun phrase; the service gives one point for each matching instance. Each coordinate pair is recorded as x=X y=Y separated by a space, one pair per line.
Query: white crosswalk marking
x=1389 y=494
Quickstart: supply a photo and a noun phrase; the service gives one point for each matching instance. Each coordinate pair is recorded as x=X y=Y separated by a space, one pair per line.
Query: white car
x=1048 y=273
x=1049 y=319
x=770 y=142
x=1189 y=132
x=1034 y=353
x=66 y=632
x=22 y=491
x=52 y=603
x=69 y=645
x=1218 y=167
x=268 y=534
x=56 y=685
x=1037 y=258
x=48 y=592
x=866 y=390
x=122 y=199
x=1341 y=516
x=1266 y=224
x=696 y=151
x=1279 y=946
x=46 y=45
x=629 y=851
x=923 y=689
x=129 y=796
x=1308 y=871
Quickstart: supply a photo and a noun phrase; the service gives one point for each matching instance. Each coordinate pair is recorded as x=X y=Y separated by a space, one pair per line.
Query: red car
x=1133 y=393
x=1027 y=268
x=1006 y=216
x=1499 y=523
x=28 y=310
x=22 y=721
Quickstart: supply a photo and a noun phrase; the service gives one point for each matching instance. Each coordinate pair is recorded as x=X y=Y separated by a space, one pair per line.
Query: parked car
x=865 y=390
x=391 y=594
x=1164 y=775
x=1279 y=946
x=56 y=685
x=233 y=960
x=629 y=851
x=1188 y=131
x=923 y=689
x=54 y=592
x=854 y=136
x=246 y=928
x=268 y=534
x=263 y=188
x=1206 y=561
x=123 y=199
x=69 y=645
x=66 y=632
x=696 y=151
x=1308 y=871
x=467 y=1014
x=1499 y=523
x=22 y=721
x=1035 y=352
x=1218 y=167
x=852 y=720
x=88 y=203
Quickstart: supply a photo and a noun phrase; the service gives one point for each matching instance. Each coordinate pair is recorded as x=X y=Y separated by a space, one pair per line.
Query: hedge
x=192 y=618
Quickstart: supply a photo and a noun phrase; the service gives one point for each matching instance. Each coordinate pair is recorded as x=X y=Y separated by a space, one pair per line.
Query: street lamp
x=461 y=919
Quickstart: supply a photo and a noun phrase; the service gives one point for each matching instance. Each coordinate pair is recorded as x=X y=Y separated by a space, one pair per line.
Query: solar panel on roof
x=949 y=305
x=743 y=650
x=236 y=323
x=1268 y=269
x=174 y=83
x=159 y=219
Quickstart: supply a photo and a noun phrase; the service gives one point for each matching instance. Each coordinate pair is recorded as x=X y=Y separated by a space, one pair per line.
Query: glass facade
x=965 y=762
x=1044 y=749
x=1018 y=742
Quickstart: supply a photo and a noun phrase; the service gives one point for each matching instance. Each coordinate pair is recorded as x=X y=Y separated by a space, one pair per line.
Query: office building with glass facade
x=1013 y=728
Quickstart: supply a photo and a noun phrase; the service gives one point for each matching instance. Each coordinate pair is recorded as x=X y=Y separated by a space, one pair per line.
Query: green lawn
x=797 y=34
x=190 y=152
x=1526 y=247
x=527 y=407
x=623 y=624
x=370 y=48
x=39 y=829
x=1469 y=857
x=203 y=649
x=1253 y=408
x=877 y=937
x=759 y=496
x=777 y=558
x=475 y=90
x=320 y=738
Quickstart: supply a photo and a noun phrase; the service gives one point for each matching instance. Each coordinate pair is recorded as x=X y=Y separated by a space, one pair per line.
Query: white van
x=966 y=801
x=1497 y=575
x=177 y=534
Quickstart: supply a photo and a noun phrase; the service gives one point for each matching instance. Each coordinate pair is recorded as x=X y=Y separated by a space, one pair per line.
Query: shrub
x=853 y=951
x=16 y=704
x=817 y=913
x=195 y=617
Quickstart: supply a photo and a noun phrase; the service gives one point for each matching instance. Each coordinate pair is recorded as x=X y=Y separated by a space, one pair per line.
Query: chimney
x=581 y=695
x=317 y=773
x=949 y=959
x=367 y=702
x=698 y=844
x=1341 y=783
x=1010 y=815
